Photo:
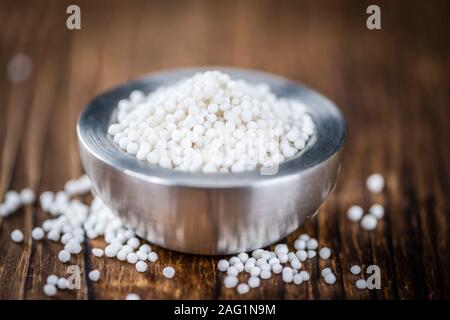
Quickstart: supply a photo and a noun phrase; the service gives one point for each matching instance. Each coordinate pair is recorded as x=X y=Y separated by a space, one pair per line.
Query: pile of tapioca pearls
x=263 y=263
x=74 y=221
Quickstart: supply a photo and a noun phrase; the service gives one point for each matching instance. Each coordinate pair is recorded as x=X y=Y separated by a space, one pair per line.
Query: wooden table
x=392 y=85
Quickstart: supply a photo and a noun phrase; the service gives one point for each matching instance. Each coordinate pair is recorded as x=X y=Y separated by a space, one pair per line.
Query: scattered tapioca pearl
x=111 y=250
x=152 y=256
x=249 y=266
x=230 y=281
x=134 y=242
x=53 y=235
x=141 y=266
x=298 y=279
x=296 y=264
x=330 y=278
x=127 y=248
x=50 y=290
x=305 y=275
x=12 y=200
x=375 y=183
x=265 y=274
x=46 y=199
x=302 y=255
x=122 y=255
x=66 y=237
x=169 y=272
x=132 y=296
x=243 y=288
x=377 y=210
x=254 y=282
x=234 y=260
x=325 y=253
x=260 y=262
x=37 y=233
x=291 y=256
x=17 y=236
x=97 y=252
x=78 y=186
x=94 y=275
x=64 y=256
x=52 y=279
x=239 y=266
x=132 y=257
x=325 y=272
x=243 y=256
x=300 y=244
x=369 y=222
x=266 y=255
x=232 y=271
x=361 y=284
x=283 y=258
x=73 y=246
x=254 y=272
x=287 y=269
x=62 y=283
x=266 y=267
x=281 y=248
x=277 y=268
x=355 y=269
x=274 y=260
x=27 y=196
x=354 y=213
x=257 y=253
x=145 y=248
x=305 y=237
x=142 y=256
x=287 y=277
x=312 y=244
x=311 y=254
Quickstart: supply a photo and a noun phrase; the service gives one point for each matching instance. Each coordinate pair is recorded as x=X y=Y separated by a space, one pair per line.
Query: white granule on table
x=211 y=123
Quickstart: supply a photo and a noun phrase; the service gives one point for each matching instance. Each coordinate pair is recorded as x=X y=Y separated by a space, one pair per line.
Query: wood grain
x=392 y=85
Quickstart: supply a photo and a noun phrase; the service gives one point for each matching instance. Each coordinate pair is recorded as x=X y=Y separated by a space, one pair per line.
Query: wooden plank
x=391 y=84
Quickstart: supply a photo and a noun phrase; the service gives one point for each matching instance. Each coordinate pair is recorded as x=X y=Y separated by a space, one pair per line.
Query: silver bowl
x=212 y=213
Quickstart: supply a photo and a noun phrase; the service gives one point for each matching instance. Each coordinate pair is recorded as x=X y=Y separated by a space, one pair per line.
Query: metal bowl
x=212 y=213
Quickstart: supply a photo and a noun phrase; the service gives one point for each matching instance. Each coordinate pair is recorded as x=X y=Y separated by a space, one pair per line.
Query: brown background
x=392 y=85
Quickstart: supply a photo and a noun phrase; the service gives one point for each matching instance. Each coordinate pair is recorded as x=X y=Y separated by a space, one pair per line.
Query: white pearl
x=377 y=210
x=230 y=281
x=369 y=222
x=243 y=288
x=169 y=272
x=64 y=256
x=361 y=284
x=141 y=266
x=94 y=275
x=355 y=269
x=325 y=253
x=330 y=278
x=355 y=213
x=375 y=183
x=254 y=282
x=37 y=233
x=17 y=236
x=223 y=265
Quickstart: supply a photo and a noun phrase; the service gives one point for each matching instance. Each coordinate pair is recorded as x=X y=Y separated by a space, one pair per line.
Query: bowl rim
x=328 y=140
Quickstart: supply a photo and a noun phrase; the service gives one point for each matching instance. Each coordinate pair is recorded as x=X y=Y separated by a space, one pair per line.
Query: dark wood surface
x=392 y=85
